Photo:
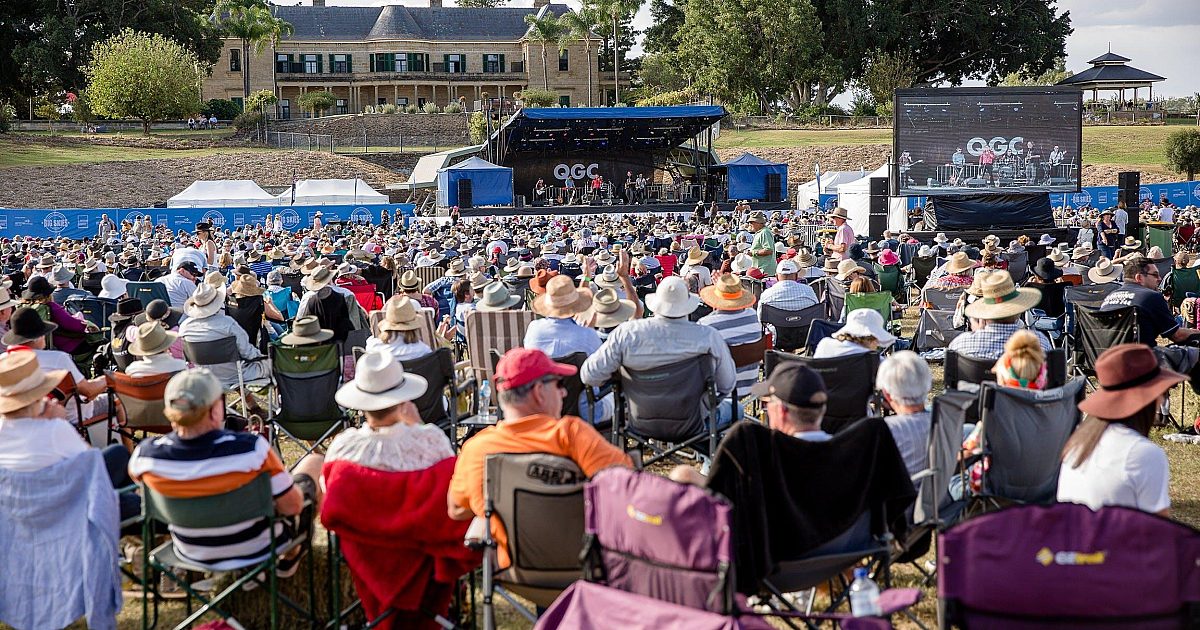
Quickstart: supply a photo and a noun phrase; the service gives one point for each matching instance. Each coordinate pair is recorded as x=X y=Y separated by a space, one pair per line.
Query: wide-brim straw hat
x=409 y=281
x=608 y=310
x=246 y=285
x=319 y=279
x=22 y=381
x=400 y=314
x=607 y=279
x=307 y=331
x=1130 y=378
x=496 y=297
x=999 y=298
x=847 y=267
x=960 y=262
x=727 y=294
x=152 y=339
x=205 y=302
x=6 y=299
x=380 y=382
x=840 y=213
x=695 y=255
x=672 y=298
x=562 y=299
x=1104 y=272
x=456 y=268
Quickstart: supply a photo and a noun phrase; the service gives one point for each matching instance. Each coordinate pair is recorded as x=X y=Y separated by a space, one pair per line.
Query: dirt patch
x=146 y=182
x=138 y=142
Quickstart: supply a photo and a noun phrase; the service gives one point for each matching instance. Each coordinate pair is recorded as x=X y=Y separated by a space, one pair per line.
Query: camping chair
x=972 y=371
x=942 y=299
x=674 y=403
x=494 y=331
x=1097 y=331
x=1018 y=265
x=537 y=499
x=754 y=286
x=745 y=355
x=1089 y=295
x=1183 y=282
x=218 y=352
x=429 y=274
x=147 y=292
x=791 y=327
x=306 y=378
x=891 y=281
x=1024 y=432
x=247 y=311
x=251 y=502
x=880 y=302
x=935 y=329
x=383 y=279
x=849 y=381
x=438 y=404
x=141 y=399
x=818 y=330
x=835 y=298
x=921 y=268
x=93 y=309
x=1063 y=566
x=589 y=606
x=365 y=294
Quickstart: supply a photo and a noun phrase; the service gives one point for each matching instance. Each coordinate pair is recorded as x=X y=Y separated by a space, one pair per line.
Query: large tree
x=143 y=76
x=666 y=21
x=578 y=26
x=619 y=17
x=44 y=44
x=1183 y=152
x=1049 y=77
x=544 y=30
x=251 y=22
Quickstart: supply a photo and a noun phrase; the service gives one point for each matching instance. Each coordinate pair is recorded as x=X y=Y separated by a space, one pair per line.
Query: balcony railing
x=328 y=77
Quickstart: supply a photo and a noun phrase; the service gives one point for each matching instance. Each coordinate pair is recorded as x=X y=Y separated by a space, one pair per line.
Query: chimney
x=318 y=3
x=435 y=3
x=537 y=4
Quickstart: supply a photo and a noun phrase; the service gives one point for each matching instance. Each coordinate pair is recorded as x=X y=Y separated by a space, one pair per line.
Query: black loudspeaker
x=773 y=186
x=1130 y=184
x=464 y=194
x=519 y=201
x=878 y=208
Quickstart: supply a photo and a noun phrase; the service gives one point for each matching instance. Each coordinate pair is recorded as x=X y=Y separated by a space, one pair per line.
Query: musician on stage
x=630 y=188
x=569 y=196
x=906 y=163
x=539 y=190
x=1033 y=167
x=1056 y=159
x=959 y=161
x=987 y=161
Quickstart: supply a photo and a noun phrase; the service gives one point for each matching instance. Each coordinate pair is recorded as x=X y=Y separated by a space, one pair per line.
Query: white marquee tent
x=232 y=193
x=807 y=192
x=855 y=197
x=332 y=192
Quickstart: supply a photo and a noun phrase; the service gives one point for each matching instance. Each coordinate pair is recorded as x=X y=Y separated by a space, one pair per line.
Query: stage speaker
x=773 y=186
x=878 y=208
x=1130 y=184
x=519 y=201
x=464 y=194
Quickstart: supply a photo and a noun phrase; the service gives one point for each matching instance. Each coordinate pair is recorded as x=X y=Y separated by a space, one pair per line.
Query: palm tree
x=543 y=30
x=250 y=21
x=616 y=10
x=578 y=26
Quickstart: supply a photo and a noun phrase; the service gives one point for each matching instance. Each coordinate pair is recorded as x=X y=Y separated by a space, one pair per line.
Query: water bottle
x=864 y=595
x=485 y=400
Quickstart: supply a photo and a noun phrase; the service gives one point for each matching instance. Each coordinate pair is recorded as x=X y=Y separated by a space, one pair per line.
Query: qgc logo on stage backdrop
x=215 y=217
x=999 y=145
x=1080 y=198
x=290 y=219
x=575 y=171
x=360 y=214
x=56 y=222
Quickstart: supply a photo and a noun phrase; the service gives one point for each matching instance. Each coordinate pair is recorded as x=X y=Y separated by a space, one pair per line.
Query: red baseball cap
x=520 y=366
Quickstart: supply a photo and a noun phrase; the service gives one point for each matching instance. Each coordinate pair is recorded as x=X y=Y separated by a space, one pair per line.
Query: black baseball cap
x=189 y=267
x=795 y=384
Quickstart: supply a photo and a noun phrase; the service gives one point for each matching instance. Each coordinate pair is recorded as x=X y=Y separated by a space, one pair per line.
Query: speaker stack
x=1129 y=186
x=464 y=194
x=878 y=208
x=774 y=184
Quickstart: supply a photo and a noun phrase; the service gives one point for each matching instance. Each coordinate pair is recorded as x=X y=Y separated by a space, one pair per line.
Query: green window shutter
x=502 y=66
x=445 y=63
x=291 y=62
x=483 y=62
x=349 y=63
x=320 y=65
x=371 y=60
x=426 y=60
x=331 y=66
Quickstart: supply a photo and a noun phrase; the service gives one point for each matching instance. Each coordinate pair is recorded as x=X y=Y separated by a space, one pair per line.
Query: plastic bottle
x=485 y=400
x=864 y=595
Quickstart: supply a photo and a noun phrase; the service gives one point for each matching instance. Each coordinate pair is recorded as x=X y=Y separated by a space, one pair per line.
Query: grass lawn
x=19 y=154
x=71 y=131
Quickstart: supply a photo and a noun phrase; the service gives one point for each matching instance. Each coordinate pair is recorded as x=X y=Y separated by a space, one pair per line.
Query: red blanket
x=403 y=551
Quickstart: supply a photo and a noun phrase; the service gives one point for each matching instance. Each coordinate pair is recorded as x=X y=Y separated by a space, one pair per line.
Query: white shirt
x=179 y=289
x=813 y=436
x=399 y=350
x=1121 y=218
x=830 y=347
x=1125 y=469
x=161 y=363
x=704 y=273
x=1166 y=214
x=58 y=360
x=31 y=444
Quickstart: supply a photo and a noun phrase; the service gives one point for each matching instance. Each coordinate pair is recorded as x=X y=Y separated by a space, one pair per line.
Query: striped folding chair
x=497 y=331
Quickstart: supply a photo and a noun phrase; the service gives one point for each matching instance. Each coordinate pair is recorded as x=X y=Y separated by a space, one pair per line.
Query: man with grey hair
x=904 y=380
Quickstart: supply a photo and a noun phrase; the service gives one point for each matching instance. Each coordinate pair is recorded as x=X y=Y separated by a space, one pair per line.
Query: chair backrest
x=356 y=340
x=1089 y=295
x=142 y=398
x=951 y=410
x=1052 y=302
x=1097 y=331
x=94 y=309
x=539 y=501
x=247 y=311
x=641 y=531
x=294 y=281
x=383 y=279
x=935 y=329
x=248 y=502
x=820 y=329
x=791 y=327
x=961 y=368
x=923 y=266
x=1063 y=564
x=747 y=354
x=284 y=301
x=880 y=302
x=438 y=370
x=834 y=297
x=1018 y=264
x=573 y=383
x=752 y=285
x=429 y=274
x=215 y=352
x=849 y=380
x=307 y=377
x=1184 y=281
x=1024 y=432
x=494 y=331
x=147 y=292
x=668 y=402
x=891 y=279
x=365 y=294
x=943 y=299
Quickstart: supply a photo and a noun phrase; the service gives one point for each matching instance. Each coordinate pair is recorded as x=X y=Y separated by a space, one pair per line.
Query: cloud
x=1133 y=13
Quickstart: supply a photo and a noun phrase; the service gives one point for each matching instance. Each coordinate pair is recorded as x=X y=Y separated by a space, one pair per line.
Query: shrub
x=388 y=109
x=453 y=108
x=430 y=108
x=477 y=127
x=410 y=109
x=260 y=99
x=539 y=98
x=247 y=120
x=8 y=113
x=317 y=102
x=369 y=109
x=679 y=97
x=223 y=109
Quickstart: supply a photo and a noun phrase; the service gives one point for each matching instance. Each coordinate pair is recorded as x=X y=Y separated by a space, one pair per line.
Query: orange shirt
x=567 y=437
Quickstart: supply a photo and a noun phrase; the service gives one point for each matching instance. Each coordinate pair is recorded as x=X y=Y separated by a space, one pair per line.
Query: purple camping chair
x=1066 y=565
x=649 y=535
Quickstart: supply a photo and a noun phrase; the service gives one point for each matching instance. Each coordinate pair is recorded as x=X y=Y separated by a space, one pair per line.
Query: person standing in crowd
x=762 y=248
x=1108 y=234
x=1121 y=217
x=839 y=249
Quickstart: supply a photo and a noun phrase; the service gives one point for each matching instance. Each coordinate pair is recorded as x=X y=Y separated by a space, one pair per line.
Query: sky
x=1159 y=36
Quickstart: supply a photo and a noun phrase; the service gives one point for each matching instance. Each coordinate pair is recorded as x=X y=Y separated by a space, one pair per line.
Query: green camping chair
x=250 y=502
x=1184 y=281
x=891 y=280
x=880 y=302
x=306 y=378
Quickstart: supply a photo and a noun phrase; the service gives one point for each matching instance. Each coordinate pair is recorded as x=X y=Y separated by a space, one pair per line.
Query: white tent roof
x=425 y=173
x=830 y=180
x=862 y=184
x=332 y=192
x=230 y=193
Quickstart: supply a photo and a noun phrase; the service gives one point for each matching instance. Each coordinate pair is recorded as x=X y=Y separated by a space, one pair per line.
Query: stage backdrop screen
x=987 y=140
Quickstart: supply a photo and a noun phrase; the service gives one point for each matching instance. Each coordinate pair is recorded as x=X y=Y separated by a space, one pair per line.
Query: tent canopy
x=233 y=193
x=807 y=192
x=330 y=192
x=491 y=185
x=748 y=177
x=855 y=197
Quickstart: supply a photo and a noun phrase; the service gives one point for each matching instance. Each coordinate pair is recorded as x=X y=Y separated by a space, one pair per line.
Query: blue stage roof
x=715 y=112
x=604 y=129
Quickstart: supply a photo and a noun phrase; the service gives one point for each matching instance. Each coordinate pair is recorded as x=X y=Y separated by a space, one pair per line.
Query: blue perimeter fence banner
x=79 y=223
x=1179 y=193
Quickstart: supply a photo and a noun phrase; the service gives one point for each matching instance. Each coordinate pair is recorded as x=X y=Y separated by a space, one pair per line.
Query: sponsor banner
x=78 y=223
x=1181 y=194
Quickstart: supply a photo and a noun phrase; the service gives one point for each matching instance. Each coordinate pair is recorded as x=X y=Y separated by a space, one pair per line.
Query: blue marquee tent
x=748 y=177
x=491 y=185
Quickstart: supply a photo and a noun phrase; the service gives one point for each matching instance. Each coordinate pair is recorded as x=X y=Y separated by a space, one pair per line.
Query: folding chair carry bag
x=587 y=606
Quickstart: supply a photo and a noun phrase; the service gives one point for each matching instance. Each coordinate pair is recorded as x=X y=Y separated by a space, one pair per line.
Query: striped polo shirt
x=214 y=463
x=736 y=328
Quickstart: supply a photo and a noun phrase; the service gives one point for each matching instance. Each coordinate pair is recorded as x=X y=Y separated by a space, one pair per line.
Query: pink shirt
x=844 y=236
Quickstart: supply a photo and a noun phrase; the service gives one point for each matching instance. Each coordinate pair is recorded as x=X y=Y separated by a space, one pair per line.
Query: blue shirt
x=558 y=337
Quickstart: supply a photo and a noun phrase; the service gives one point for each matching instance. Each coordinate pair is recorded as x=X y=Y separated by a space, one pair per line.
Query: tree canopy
x=318 y=101
x=1183 y=152
x=251 y=22
x=143 y=76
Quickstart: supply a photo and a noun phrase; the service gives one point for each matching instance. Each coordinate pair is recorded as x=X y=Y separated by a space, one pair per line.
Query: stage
x=686 y=208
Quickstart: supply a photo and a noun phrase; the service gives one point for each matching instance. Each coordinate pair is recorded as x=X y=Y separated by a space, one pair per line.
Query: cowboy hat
x=1059 y=257
x=6 y=299
x=999 y=298
x=960 y=262
x=839 y=212
x=608 y=310
x=307 y=331
x=151 y=339
x=112 y=286
x=847 y=267
x=562 y=299
x=246 y=285
x=672 y=298
x=496 y=297
x=409 y=281
x=538 y=283
x=1104 y=272
x=22 y=382
x=1045 y=269
x=804 y=259
x=400 y=314
x=318 y=280
x=25 y=326
x=525 y=271
x=46 y=262
x=513 y=265
x=604 y=257
x=866 y=322
x=380 y=382
x=1130 y=378
x=888 y=257
x=205 y=302
x=127 y=308
x=478 y=281
x=456 y=268
x=1081 y=252
x=253 y=256
x=727 y=294
x=741 y=263
x=608 y=278
x=1131 y=243
x=93 y=264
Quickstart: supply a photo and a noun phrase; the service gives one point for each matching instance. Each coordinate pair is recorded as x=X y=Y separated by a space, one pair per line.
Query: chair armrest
x=468 y=384
x=922 y=475
x=479 y=535
x=462 y=365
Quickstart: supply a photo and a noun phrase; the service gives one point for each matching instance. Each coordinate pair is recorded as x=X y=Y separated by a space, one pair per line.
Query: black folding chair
x=307 y=377
x=849 y=381
x=791 y=327
x=93 y=309
x=147 y=292
x=819 y=329
x=1097 y=331
x=221 y=352
x=438 y=405
x=674 y=403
